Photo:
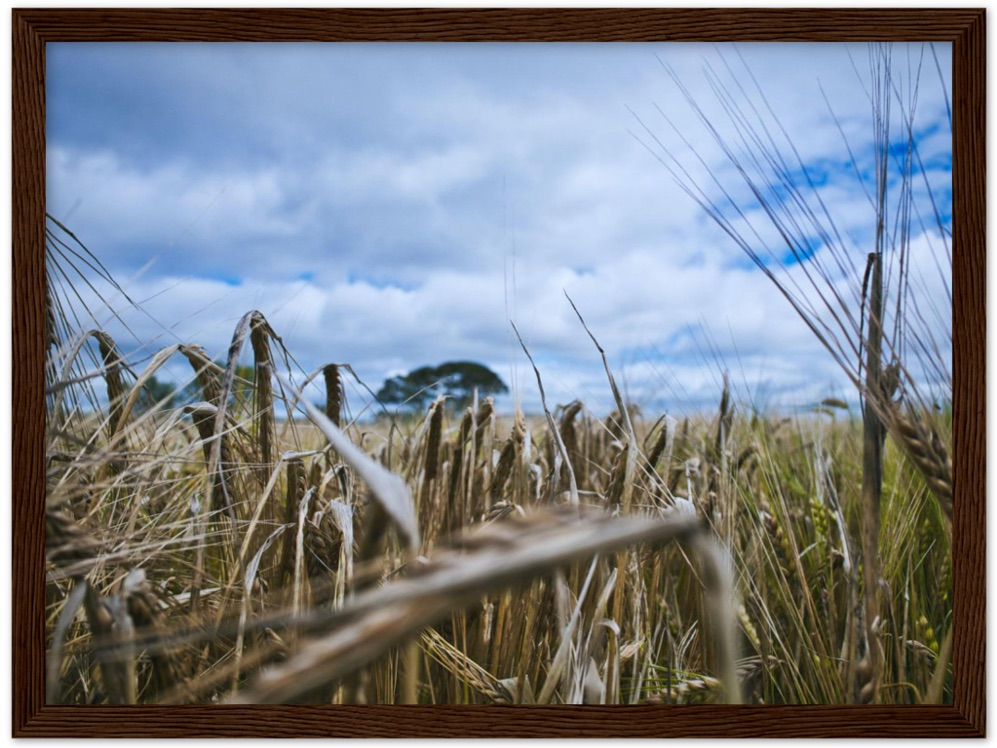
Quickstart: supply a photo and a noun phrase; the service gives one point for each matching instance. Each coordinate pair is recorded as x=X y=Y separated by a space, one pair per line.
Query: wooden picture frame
x=33 y=28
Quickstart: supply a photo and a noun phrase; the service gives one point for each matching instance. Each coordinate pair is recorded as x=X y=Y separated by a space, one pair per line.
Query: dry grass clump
x=245 y=547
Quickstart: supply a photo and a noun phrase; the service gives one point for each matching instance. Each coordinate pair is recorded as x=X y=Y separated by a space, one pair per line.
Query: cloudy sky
x=391 y=206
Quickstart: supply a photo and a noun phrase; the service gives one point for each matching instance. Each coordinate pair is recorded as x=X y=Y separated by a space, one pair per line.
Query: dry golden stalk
x=376 y=522
x=748 y=627
x=743 y=456
x=466 y=670
x=485 y=412
x=333 y=393
x=499 y=555
x=681 y=469
x=503 y=470
x=724 y=422
x=872 y=470
x=68 y=545
x=703 y=689
x=51 y=328
x=937 y=685
x=508 y=459
x=658 y=448
x=781 y=545
x=322 y=546
x=147 y=614
x=616 y=422
x=567 y=425
x=205 y=371
x=865 y=682
x=569 y=436
x=116 y=621
x=113 y=365
x=116 y=663
x=923 y=448
x=477 y=505
x=296 y=484
x=280 y=649
x=432 y=461
x=502 y=509
x=259 y=337
x=617 y=479
x=455 y=502
x=466 y=424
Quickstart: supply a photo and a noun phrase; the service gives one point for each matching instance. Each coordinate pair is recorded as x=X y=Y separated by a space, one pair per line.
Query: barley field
x=250 y=545
x=254 y=547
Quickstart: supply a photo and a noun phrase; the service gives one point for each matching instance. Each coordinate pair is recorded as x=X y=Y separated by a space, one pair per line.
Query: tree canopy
x=456 y=379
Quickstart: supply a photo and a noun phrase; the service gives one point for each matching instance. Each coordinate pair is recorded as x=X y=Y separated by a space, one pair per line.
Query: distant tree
x=456 y=379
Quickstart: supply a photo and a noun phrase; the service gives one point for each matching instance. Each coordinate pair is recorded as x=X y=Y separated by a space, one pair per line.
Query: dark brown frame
x=964 y=27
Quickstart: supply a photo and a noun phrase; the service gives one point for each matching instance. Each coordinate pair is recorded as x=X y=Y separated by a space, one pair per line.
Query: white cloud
x=403 y=218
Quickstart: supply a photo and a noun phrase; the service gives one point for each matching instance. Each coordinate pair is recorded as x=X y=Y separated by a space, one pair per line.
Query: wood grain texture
x=524 y=24
x=969 y=270
x=28 y=376
x=31 y=28
x=500 y=721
